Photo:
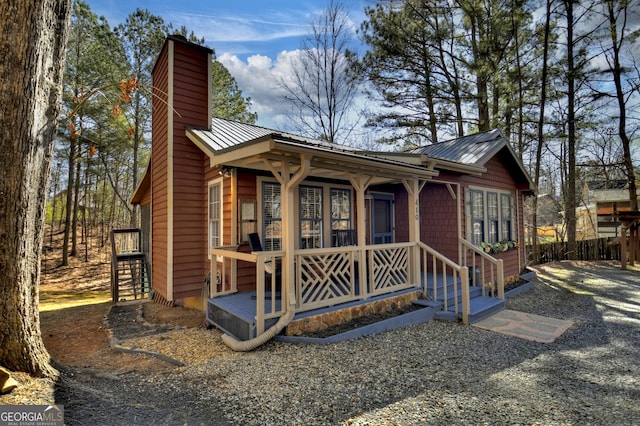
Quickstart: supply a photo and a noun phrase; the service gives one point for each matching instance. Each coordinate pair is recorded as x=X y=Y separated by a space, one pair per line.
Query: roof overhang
x=326 y=161
x=143 y=187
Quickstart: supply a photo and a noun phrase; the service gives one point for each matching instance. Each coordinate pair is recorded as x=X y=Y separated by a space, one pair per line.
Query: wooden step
x=473 y=292
x=480 y=307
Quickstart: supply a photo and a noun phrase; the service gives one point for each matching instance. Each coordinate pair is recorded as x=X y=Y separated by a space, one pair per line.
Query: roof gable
x=476 y=150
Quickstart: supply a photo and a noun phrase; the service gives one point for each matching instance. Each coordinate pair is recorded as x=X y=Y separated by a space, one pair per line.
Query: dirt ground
x=74 y=302
x=76 y=335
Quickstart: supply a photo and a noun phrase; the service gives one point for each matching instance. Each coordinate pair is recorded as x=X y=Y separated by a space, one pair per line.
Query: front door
x=382 y=218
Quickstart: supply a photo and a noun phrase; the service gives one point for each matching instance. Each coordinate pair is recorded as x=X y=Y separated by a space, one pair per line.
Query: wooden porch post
x=288 y=183
x=623 y=247
x=360 y=184
x=413 y=187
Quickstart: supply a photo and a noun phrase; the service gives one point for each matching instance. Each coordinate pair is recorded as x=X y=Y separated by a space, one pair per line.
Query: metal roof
x=476 y=150
x=226 y=134
x=473 y=149
x=246 y=144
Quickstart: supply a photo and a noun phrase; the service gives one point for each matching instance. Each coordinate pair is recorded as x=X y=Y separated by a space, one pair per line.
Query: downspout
x=289 y=183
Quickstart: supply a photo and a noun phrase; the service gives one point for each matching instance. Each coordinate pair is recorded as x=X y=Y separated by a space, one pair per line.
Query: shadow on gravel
x=98 y=398
x=431 y=373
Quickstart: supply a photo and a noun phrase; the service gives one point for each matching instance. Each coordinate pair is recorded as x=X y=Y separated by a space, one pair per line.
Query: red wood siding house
x=211 y=181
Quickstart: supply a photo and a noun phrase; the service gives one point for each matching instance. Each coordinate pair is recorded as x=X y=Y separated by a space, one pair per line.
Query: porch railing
x=270 y=300
x=323 y=277
x=485 y=270
x=329 y=276
x=443 y=275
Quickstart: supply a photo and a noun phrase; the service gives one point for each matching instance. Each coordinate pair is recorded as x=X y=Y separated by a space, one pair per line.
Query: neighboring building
x=602 y=202
x=336 y=225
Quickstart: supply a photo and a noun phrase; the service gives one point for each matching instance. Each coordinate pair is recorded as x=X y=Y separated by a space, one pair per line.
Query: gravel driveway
x=434 y=373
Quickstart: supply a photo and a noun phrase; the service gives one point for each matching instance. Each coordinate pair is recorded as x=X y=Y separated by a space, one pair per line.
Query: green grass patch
x=54 y=300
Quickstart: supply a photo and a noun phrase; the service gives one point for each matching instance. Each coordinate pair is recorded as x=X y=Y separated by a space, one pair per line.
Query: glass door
x=382 y=218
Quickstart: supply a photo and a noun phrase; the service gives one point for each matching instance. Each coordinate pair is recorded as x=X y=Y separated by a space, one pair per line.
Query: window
x=271 y=216
x=491 y=215
x=310 y=217
x=477 y=217
x=324 y=215
x=341 y=232
x=215 y=214
x=506 y=202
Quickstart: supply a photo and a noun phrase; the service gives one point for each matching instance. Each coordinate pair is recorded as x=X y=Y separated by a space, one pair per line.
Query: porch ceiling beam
x=339 y=170
x=388 y=171
x=239 y=154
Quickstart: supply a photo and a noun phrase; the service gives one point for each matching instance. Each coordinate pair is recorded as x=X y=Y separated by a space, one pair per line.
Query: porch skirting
x=324 y=320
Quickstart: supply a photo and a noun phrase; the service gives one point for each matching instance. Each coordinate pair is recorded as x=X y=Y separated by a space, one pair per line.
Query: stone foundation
x=322 y=321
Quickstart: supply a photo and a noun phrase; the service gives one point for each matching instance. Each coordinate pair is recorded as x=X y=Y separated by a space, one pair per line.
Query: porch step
x=473 y=292
x=480 y=307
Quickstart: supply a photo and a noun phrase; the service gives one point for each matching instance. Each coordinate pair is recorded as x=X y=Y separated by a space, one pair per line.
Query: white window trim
x=326 y=205
x=216 y=182
x=468 y=212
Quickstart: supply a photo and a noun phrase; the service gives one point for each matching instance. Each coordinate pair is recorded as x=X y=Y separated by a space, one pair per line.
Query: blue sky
x=255 y=39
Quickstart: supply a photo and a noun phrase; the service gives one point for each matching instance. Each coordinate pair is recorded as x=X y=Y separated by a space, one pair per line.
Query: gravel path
x=438 y=373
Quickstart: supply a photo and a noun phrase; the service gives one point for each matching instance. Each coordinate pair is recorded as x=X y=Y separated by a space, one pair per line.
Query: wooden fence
x=600 y=249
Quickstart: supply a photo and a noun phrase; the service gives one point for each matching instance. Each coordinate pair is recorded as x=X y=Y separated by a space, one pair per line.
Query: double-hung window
x=477 y=216
x=506 y=201
x=340 y=209
x=215 y=214
x=271 y=216
x=491 y=216
x=341 y=232
x=310 y=217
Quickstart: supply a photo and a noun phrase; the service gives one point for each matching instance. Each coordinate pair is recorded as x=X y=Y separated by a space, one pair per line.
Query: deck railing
x=323 y=277
x=486 y=270
x=270 y=299
x=129 y=270
x=330 y=276
x=443 y=274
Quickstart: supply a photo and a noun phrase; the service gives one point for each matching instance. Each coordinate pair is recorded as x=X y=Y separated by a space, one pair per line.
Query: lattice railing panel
x=324 y=279
x=389 y=269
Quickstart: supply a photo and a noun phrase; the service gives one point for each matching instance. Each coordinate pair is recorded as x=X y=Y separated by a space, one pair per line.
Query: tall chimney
x=181 y=97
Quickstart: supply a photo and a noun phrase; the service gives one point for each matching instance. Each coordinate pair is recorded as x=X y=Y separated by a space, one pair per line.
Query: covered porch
x=329 y=280
x=291 y=279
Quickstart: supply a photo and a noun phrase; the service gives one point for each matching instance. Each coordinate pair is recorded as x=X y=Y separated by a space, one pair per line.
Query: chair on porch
x=344 y=237
x=269 y=267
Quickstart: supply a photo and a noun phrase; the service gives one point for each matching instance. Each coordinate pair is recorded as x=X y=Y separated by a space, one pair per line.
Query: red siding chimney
x=181 y=97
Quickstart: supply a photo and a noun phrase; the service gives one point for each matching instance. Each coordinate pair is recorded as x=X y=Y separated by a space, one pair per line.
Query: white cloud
x=260 y=78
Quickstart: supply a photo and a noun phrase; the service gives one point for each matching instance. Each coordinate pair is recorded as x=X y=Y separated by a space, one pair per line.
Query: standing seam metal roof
x=474 y=149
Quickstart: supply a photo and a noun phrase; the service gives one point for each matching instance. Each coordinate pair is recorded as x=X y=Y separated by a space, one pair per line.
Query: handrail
x=260 y=259
x=134 y=246
x=458 y=271
x=496 y=277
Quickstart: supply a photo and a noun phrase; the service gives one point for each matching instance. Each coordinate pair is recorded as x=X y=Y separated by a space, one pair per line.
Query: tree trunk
x=541 y=122
x=33 y=35
x=69 y=204
x=570 y=189
x=620 y=97
x=74 y=214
